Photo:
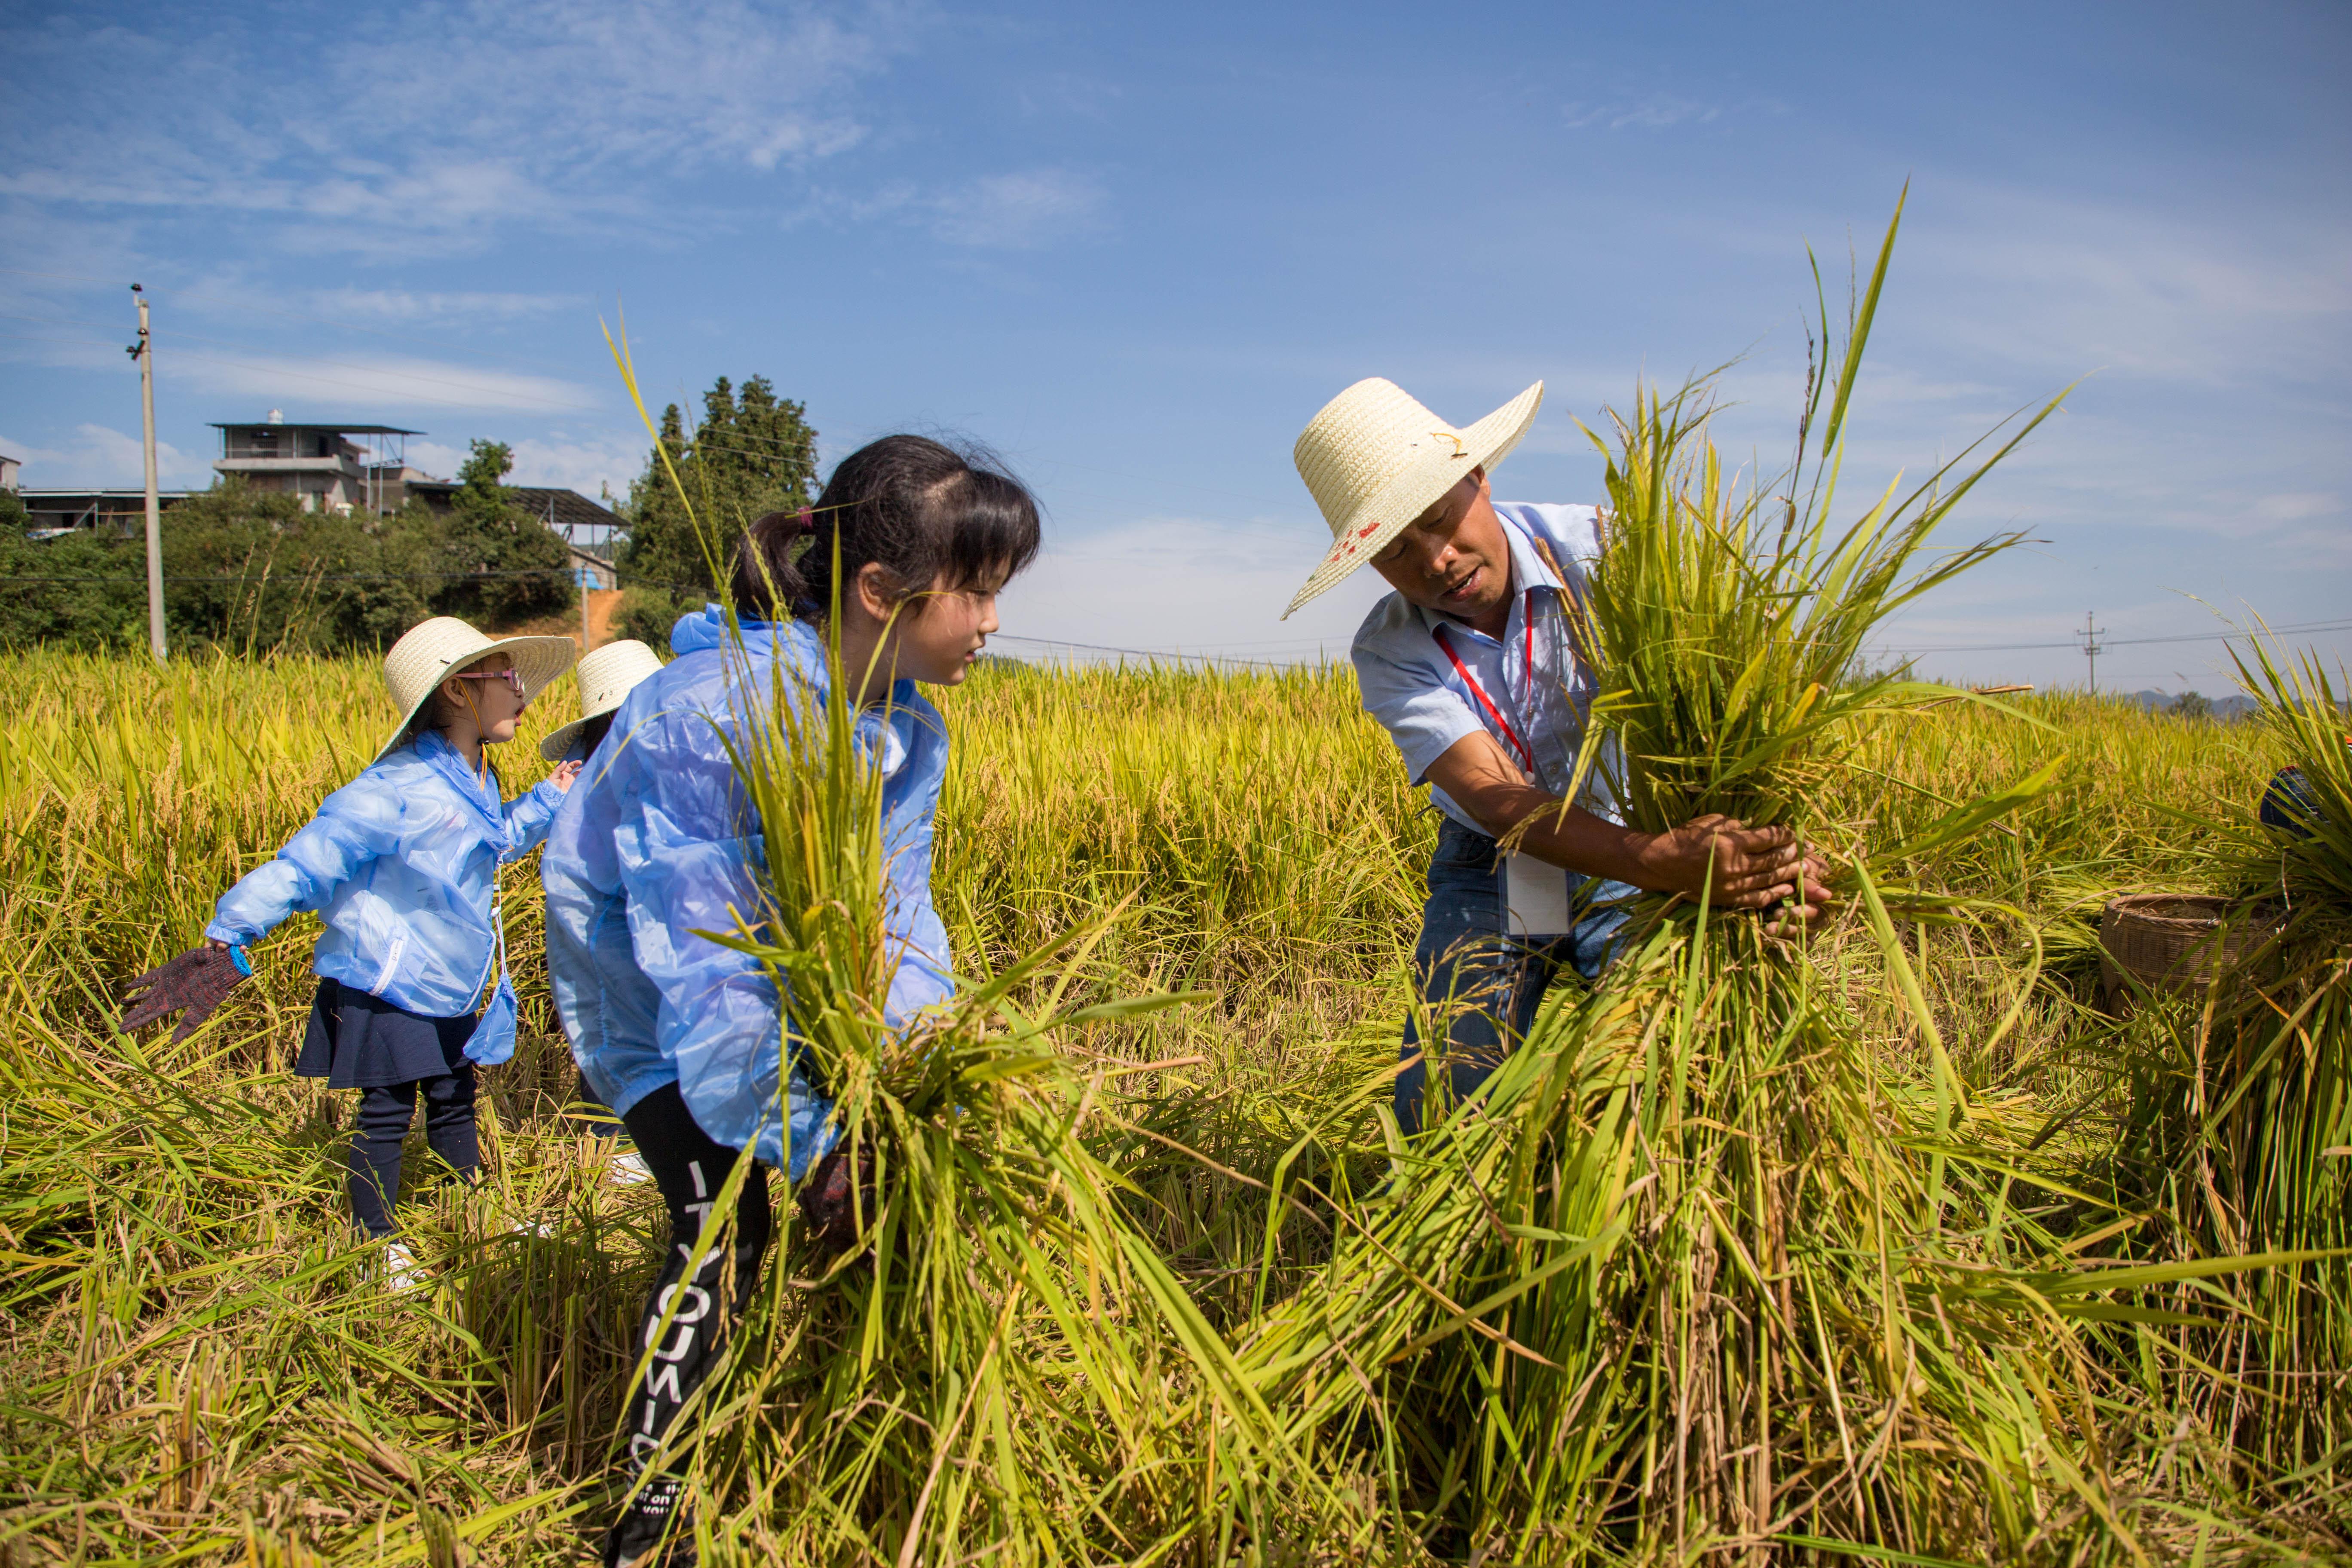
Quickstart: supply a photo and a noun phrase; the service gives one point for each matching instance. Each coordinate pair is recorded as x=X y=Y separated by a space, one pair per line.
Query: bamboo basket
x=2175 y=942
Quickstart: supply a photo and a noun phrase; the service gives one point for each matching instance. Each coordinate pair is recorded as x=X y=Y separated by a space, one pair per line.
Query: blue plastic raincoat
x=402 y=864
x=655 y=842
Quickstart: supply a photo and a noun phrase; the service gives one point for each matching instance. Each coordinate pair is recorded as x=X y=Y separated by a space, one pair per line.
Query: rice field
x=200 y=1366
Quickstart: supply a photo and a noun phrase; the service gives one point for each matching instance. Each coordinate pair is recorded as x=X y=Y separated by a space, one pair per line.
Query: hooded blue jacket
x=401 y=865
x=655 y=841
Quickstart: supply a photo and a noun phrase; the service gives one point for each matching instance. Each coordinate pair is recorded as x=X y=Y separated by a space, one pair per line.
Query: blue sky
x=1135 y=249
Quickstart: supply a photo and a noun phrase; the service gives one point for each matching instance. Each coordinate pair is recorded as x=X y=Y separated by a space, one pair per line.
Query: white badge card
x=1534 y=898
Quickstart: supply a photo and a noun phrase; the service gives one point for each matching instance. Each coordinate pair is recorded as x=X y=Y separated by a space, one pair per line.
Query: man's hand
x=1754 y=868
x=1739 y=867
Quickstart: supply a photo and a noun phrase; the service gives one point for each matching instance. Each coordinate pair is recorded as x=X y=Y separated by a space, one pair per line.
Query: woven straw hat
x=1375 y=459
x=427 y=651
x=605 y=677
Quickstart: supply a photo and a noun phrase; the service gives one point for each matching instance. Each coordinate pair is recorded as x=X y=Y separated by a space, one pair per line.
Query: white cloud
x=377 y=380
x=1015 y=211
x=1018 y=211
x=442 y=122
x=105 y=458
x=1658 y=112
x=2070 y=285
x=400 y=305
x=1183 y=585
x=587 y=465
x=2296 y=507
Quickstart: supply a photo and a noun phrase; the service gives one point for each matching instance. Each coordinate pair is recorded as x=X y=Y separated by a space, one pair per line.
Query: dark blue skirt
x=358 y=1041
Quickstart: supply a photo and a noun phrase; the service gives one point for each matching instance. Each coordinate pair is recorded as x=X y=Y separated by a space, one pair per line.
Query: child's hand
x=564 y=773
x=196 y=981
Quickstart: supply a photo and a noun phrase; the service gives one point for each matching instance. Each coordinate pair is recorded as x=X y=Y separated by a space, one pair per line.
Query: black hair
x=921 y=510
x=593 y=732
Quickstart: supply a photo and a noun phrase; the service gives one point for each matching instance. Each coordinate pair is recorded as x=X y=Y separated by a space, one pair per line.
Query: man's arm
x=1752 y=867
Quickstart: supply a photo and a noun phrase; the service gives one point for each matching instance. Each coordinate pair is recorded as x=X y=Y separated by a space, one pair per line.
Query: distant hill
x=2236 y=705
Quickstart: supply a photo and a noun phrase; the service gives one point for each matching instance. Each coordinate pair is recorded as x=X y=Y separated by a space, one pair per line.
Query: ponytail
x=921 y=510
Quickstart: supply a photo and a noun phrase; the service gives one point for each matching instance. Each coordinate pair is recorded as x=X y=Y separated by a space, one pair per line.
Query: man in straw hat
x=1470 y=667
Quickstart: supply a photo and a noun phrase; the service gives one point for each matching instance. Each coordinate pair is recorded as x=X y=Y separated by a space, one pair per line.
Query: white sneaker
x=628 y=1169
x=401 y=1271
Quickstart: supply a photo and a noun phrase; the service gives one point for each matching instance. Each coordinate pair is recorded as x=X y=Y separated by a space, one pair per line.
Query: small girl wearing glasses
x=400 y=864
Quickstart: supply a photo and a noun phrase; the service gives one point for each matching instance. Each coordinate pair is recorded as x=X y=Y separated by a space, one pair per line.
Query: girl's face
x=938 y=634
x=485 y=693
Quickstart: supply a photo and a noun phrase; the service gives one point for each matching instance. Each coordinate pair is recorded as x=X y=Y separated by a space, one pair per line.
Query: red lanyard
x=1528 y=618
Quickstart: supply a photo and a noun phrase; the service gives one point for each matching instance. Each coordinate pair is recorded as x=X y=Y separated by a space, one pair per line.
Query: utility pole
x=2091 y=631
x=145 y=352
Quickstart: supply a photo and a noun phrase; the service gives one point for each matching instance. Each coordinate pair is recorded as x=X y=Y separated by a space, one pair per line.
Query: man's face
x=1453 y=558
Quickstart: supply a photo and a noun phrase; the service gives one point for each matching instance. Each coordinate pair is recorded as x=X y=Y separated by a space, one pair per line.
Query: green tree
x=752 y=453
x=2191 y=705
x=249 y=572
x=78 y=592
x=525 y=571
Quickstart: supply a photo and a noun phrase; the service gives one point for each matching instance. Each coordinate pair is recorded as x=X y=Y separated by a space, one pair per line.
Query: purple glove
x=196 y=980
x=826 y=1202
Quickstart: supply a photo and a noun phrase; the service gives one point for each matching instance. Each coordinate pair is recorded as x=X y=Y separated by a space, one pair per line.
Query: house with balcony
x=321 y=465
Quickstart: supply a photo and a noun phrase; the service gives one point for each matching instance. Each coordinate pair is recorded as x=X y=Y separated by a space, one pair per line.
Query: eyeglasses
x=513 y=678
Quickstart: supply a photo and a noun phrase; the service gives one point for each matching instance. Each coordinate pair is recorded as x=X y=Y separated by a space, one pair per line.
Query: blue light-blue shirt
x=656 y=842
x=1413 y=689
x=402 y=865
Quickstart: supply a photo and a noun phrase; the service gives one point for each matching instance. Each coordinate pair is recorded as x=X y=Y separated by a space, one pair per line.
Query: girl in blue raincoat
x=400 y=864
x=678 y=1033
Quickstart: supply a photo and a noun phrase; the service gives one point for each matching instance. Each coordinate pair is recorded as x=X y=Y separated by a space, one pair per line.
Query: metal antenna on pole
x=2091 y=631
x=144 y=350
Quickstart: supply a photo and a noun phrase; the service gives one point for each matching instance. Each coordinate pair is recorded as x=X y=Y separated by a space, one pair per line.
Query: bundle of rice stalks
x=1699 y=1269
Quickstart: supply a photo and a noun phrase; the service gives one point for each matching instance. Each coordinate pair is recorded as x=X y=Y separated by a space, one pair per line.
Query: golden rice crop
x=196 y=1370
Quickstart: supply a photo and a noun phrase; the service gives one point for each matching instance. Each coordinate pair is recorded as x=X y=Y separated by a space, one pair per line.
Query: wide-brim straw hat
x=428 y=651
x=1375 y=459
x=605 y=676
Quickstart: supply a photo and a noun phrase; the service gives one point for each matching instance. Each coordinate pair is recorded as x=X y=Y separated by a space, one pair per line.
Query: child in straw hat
x=605 y=677
x=1469 y=666
x=400 y=864
x=911 y=543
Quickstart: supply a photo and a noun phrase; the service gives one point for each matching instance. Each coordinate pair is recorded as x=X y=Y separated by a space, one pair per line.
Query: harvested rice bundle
x=991 y=1359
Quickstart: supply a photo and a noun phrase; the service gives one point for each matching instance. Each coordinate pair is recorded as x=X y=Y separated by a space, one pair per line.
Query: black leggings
x=385 y=1111
x=690 y=1169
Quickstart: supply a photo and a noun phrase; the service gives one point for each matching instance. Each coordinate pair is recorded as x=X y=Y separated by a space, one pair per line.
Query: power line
x=38 y=338
x=1171 y=656
x=2076 y=647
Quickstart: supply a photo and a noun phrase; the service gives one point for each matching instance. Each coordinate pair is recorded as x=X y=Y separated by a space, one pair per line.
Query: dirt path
x=604 y=603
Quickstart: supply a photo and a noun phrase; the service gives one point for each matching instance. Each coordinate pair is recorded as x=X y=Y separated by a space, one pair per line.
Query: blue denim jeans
x=1482 y=982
